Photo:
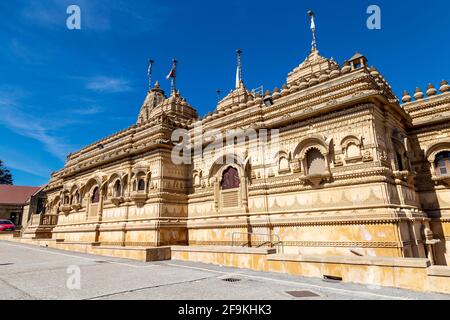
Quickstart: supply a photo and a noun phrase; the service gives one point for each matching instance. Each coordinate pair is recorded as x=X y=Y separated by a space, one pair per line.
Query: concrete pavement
x=31 y=272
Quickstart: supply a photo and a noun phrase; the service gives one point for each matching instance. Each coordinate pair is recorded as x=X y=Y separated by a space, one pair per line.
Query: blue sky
x=62 y=89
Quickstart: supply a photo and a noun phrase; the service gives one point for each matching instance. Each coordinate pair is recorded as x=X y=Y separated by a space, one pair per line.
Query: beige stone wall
x=430 y=136
x=364 y=200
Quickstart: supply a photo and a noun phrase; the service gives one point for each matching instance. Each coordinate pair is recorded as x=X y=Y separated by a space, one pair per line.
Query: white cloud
x=88 y=111
x=29 y=126
x=14 y=159
x=108 y=84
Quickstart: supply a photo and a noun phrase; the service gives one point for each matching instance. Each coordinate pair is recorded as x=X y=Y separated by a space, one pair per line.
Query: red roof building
x=12 y=201
x=15 y=194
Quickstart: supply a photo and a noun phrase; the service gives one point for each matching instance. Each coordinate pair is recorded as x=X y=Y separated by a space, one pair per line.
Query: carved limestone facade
x=356 y=172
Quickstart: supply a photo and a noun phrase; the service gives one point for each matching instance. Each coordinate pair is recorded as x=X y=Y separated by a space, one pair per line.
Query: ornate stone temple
x=357 y=172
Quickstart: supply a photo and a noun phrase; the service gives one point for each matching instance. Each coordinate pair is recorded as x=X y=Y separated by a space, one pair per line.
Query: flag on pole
x=313 y=24
x=171 y=74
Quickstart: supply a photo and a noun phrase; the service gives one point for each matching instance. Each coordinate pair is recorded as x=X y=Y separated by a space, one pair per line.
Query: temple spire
x=313 y=30
x=239 y=69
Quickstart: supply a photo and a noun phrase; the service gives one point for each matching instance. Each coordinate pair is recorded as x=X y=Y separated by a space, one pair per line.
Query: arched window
x=117 y=189
x=141 y=185
x=284 y=164
x=399 y=161
x=197 y=180
x=95 y=196
x=442 y=163
x=230 y=179
x=353 y=151
x=315 y=162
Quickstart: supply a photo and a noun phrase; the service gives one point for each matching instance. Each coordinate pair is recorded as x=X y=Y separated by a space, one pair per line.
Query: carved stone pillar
x=100 y=205
x=129 y=183
x=244 y=195
x=216 y=194
x=327 y=162
x=87 y=199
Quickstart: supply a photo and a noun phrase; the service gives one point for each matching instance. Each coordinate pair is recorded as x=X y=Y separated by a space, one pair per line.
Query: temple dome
x=154 y=98
x=240 y=95
x=313 y=65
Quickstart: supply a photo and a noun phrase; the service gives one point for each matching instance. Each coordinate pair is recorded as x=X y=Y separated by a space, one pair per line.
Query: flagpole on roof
x=150 y=73
x=239 y=68
x=174 y=76
x=313 y=30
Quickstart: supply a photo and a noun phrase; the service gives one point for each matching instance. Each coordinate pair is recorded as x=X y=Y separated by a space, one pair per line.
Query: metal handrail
x=273 y=240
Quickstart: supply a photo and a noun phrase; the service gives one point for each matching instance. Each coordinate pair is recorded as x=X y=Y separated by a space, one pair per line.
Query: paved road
x=30 y=272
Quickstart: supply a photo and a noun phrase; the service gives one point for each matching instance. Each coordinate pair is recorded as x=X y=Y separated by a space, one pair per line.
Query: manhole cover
x=231 y=280
x=6 y=264
x=303 y=294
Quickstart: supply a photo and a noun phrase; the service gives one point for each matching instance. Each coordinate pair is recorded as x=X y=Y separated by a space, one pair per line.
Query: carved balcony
x=49 y=219
x=117 y=200
x=76 y=206
x=405 y=175
x=66 y=208
x=139 y=197
x=316 y=179
x=444 y=179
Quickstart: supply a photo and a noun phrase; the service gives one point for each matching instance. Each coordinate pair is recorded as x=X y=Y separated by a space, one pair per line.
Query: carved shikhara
x=355 y=169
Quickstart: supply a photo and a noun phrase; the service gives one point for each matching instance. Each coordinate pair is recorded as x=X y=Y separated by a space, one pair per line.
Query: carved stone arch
x=323 y=150
x=351 y=139
x=65 y=195
x=282 y=153
x=440 y=168
x=222 y=161
x=283 y=161
x=197 y=176
x=114 y=177
x=224 y=167
x=114 y=182
x=90 y=185
x=139 y=174
x=435 y=148
x=75 y=194
x=75 y=187
x=229 y=198
x=351 y=146
x=124 y=177
x=311 y=141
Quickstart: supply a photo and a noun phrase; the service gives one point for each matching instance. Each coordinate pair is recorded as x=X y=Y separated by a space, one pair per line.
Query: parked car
x=6 y=225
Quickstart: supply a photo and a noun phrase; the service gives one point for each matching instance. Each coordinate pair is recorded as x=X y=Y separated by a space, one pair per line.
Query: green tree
x=5 y=175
